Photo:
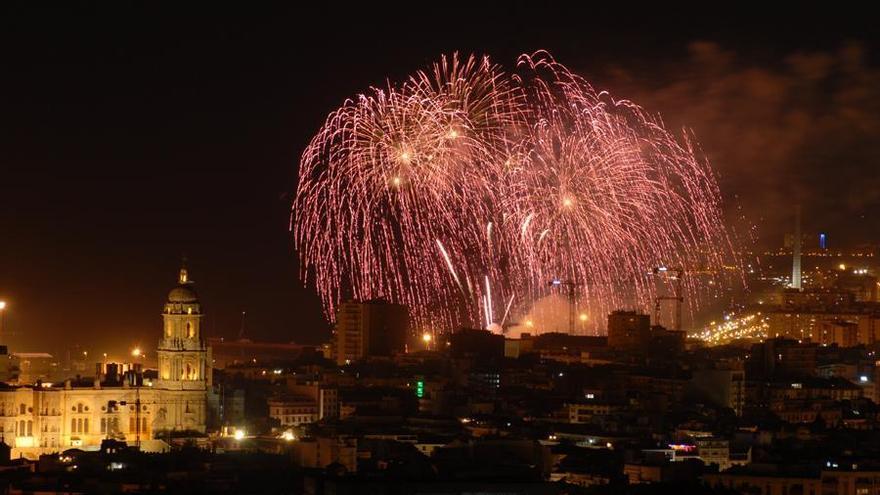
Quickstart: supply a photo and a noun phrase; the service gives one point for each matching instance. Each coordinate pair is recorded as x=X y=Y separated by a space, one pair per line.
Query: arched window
x=188 y=374
x=86 y=425
x=21 y=409
x=30 y=428
x=190 y=330
x=79 y=408
x=79 y=425
x=73 y=425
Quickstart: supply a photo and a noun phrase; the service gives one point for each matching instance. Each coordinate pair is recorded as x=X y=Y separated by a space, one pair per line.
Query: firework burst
x=464 y=184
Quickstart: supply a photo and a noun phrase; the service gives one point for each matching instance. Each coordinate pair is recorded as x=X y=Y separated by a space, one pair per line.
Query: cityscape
x=314 y=250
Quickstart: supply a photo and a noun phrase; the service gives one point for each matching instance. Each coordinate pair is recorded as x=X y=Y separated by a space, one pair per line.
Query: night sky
x=134 y=136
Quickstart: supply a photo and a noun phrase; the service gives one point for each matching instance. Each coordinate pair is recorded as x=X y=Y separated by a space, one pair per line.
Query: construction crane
x=677 y=274
x=572 y=286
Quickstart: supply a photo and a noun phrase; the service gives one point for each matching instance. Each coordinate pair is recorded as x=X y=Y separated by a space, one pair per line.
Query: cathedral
x=44 y=418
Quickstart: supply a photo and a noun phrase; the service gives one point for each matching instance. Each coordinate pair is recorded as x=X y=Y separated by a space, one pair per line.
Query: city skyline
x=127 y=156
x=498 y=248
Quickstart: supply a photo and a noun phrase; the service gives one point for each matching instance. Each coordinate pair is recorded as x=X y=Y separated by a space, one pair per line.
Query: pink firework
x=393 y=190
x=604 y=193
x=464 y=184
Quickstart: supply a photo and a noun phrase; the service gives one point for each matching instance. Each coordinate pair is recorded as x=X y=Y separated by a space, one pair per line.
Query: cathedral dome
x=184 y=292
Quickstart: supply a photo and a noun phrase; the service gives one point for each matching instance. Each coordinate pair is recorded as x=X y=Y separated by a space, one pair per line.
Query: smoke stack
x=796 y=250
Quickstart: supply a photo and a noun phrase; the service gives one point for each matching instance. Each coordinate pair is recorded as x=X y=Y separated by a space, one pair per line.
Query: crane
x=572 y=286
x=677 y=274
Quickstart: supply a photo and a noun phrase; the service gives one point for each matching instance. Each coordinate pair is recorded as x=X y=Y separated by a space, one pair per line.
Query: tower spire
x=183 y=277
x=796 y=250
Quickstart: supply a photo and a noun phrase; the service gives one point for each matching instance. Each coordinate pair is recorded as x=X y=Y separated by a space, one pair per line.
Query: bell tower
x=182 y=352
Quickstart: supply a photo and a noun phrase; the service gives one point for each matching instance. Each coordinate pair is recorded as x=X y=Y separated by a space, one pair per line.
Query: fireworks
x=463 y=190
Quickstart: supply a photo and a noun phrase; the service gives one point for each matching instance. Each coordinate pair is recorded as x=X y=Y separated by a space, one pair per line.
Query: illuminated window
x=190 y=331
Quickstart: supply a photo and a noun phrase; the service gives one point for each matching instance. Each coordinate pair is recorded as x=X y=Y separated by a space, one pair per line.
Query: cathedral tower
x=182 y=352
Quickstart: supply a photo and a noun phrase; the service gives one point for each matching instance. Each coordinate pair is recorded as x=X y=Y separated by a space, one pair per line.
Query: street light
x=136 y=352
x=2 y=318
x=426 y=338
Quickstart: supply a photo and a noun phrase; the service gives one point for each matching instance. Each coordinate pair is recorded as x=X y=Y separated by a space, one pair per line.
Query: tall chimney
x=796 y=250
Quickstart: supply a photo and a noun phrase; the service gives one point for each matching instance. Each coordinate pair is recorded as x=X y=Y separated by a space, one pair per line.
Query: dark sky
x=134 y=135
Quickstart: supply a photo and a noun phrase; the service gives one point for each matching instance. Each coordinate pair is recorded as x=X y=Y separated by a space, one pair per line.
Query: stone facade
x=44 y=418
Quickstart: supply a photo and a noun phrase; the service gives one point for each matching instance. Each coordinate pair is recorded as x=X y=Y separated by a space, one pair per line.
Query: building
x=840 y=332
x=371 y=328
x=560 y=347
x=323 y=451
x=784 y=357
x=666 y=342
x=514 y=348
x=33 y=366
x=717 y=451
x=862 y=285
x=585 y=411
x=325 y=397
x=293 y=410
x=628 y=329
x=478 y=344
x=722 y=387
x=781 y=481
x=8 y=367
x=804 y=315
x=46 y=417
